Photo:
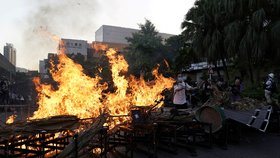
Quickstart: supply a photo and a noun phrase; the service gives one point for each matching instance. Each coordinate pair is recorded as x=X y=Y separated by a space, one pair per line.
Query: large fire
x=83 y=96
x=77 y=94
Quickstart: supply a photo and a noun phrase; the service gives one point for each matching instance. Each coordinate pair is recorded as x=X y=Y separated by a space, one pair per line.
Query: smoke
x=64 y=18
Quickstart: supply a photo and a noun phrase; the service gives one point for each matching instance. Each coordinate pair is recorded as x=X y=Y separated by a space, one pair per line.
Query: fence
x=22 y=112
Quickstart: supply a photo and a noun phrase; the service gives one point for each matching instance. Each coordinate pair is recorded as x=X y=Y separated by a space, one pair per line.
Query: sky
x=24 y=23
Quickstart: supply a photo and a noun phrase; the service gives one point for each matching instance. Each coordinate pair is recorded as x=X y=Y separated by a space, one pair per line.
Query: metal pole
x=21 y=113
x=28 y=110
x=6 y=115
x=105 y=139
x=43 y=142
x=76 y=145
x=154 y=140
x=6 y=150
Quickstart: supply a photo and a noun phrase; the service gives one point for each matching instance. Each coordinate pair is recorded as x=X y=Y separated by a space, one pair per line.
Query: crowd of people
x=188 y=94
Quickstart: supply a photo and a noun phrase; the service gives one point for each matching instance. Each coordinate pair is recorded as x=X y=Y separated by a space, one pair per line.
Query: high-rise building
x=42 y=67
x=10 y=53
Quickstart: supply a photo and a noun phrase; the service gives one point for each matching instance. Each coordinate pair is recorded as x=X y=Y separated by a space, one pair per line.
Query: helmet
x=271 y=75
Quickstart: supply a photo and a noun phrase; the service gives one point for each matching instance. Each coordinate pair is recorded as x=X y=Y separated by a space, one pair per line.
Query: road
x=253 y=144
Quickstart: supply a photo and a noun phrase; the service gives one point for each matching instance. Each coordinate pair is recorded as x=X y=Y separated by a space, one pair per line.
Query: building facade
x=115 y=34
x=73 y=46
x=10 y=53
x=22 y=70
x=7 y=69
x=42 y=66
x=108 y=36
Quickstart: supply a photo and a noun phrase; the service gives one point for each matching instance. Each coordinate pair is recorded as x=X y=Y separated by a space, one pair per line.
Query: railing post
x=75 y=137
x=104 y=140
x=43 y=134
x=155 y=125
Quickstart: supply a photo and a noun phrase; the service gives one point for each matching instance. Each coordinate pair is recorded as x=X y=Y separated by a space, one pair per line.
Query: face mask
x=180 y=79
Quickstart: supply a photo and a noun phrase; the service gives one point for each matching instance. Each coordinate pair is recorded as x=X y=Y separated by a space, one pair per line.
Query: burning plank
x=56 y=123
x=84 y=138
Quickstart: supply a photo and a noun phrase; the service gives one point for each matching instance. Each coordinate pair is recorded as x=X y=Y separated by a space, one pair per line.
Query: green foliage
x=146 y=40
x=176 y=53
x=173 y=45
x=244 y=30
x=77 y=58
x=145 y=49
x=204 y=25
x=255 y=91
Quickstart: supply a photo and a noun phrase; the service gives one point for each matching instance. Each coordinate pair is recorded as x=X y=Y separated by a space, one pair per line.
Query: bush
x=255 y=91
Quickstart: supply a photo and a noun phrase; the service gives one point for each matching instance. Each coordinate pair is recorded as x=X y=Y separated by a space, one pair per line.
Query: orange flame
x=118 y=101
x=80 y=95
x=147 y=93
x=61 y=47
x=99 y=46
x=11 y=119
x=77 y=93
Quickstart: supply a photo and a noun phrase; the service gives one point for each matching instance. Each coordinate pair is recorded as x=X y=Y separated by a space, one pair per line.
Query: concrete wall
x=114 y=34
x=99 y=34
x=6 y=68
x=72 y=46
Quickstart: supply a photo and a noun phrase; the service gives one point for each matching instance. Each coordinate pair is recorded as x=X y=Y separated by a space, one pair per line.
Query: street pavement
x=253 y=144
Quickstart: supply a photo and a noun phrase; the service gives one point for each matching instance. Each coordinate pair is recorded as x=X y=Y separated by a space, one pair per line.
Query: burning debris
x=82 y=141
x=77 y=93
x=80 y=95
x=82 y=104
x=42 y=137
x=11 y=119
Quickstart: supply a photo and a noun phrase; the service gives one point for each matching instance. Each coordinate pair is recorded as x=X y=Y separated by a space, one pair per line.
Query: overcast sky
x=22 y=21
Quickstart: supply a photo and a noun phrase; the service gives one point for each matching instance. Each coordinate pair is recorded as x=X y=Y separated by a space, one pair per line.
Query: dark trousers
x=181 y=106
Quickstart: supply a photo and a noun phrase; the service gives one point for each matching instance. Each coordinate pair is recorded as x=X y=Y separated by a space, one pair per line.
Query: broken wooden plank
x=52 y=124
x=84 y=138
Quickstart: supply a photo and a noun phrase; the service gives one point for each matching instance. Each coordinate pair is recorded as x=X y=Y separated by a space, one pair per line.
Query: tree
x=145 y=48
x=204 y=25
x=77 y=58
x=179 y=53
x=244 y=30
x=250 y=33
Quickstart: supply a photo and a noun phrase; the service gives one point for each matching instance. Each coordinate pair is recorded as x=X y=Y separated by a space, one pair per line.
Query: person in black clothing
x=206 y=90
x=236 y=89
x=221 y=85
